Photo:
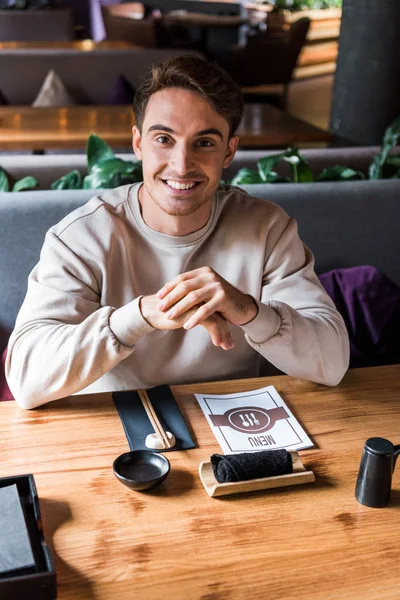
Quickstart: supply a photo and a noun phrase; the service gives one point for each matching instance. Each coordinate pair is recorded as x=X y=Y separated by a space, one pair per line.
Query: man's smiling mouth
x=177 y=185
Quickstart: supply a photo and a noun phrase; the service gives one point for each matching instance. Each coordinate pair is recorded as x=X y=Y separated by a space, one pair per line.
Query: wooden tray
x=214 y=489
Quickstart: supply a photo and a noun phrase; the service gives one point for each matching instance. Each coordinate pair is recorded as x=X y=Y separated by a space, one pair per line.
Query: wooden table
x=34 y=128
x=264 y=125
x=311 y=542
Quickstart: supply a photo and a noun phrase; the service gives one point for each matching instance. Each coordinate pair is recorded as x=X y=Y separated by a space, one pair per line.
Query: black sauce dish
x=141 y=470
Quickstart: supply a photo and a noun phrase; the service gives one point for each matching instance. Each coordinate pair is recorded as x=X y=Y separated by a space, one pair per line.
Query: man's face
x=184 y=145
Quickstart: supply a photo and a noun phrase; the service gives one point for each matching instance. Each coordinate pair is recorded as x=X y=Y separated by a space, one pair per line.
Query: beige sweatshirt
x=80 y=328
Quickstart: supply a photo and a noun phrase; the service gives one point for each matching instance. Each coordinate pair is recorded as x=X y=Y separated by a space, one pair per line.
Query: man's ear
x=231 y=150
x=137 y=142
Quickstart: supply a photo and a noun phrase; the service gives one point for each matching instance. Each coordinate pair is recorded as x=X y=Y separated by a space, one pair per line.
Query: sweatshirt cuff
x=128 y=325
x=265 y=324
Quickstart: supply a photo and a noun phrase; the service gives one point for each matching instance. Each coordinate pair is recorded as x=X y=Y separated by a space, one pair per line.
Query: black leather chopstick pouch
x=136 y=422
x=16 y=555
x=251 y=465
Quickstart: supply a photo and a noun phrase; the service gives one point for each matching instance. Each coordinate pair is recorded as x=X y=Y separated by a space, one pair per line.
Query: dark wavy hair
x=191 y=72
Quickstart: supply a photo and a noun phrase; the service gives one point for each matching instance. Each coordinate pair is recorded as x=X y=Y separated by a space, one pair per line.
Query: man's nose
x=182 y=159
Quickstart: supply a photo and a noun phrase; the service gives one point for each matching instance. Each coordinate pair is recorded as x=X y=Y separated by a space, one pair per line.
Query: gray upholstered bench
x=344 y=224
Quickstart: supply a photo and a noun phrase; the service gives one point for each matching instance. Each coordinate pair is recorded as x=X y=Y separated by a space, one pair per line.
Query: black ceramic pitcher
x=374 y=482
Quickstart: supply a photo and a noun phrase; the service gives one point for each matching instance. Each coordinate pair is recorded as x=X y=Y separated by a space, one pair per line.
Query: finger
x=215 y=335
x=204 y=272
x=192 y=300
x=219 y=332
x=159 y=320
x=193 y=287
x=167 y=288
x=201 y=314
x=214 y=331
x=170 y=285
x=227 y=342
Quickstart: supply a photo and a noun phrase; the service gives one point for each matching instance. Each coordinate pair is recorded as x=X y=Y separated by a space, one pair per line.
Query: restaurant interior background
x=318 y=76
x=321 y=81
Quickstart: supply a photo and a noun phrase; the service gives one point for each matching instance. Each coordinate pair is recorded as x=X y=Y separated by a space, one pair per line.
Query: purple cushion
x=5 y=393
x=369 y=303
x=122 y=93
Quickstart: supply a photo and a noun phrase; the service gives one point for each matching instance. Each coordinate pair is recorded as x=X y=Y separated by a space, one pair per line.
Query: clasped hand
x=200 y=297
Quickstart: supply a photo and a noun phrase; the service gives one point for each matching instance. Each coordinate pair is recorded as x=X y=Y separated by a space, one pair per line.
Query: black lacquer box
x=37 y=581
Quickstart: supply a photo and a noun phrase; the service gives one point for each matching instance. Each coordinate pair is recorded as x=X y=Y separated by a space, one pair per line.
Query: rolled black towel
x=251 y=465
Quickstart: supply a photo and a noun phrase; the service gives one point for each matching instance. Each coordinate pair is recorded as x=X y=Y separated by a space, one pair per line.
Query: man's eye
x=205 y=143
x=163 y=139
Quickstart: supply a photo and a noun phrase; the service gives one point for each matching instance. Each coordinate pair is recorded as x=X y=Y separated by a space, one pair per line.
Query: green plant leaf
x=69 y=181
x=26 y=183
x=301 y=170
x=274 y=177
x=4 y=186
x=97 y=151
x=393 y=161
x=339 y=173
x=113 y=173
x=375 y=168
x=389 y=169
x=267 y=164
x=114 y=164
x=304 y=173
x=245 y=176
x=266 y=169
x=390 y=140
x=294 y=5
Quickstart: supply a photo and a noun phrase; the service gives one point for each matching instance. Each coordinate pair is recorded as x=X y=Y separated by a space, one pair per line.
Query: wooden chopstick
x=151 y=413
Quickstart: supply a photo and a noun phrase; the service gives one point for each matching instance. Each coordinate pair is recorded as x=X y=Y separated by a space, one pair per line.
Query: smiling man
x=178 y=278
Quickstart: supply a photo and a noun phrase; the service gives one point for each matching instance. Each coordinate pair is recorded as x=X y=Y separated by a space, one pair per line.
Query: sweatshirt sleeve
x=298 y=328
x=63 y=340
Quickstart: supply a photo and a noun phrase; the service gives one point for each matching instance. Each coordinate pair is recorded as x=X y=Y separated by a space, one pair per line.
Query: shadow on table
x=55 y=514
x=394 y=498
x=178 y=483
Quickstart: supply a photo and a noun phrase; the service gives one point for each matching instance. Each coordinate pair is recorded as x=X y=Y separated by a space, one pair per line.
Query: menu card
x=253 y=421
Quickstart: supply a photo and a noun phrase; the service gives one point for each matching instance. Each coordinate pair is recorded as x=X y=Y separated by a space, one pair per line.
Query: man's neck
x=177 y=226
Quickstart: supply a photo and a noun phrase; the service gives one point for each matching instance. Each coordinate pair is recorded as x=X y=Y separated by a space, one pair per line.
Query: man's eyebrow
x=210 y=131
x=159 y=127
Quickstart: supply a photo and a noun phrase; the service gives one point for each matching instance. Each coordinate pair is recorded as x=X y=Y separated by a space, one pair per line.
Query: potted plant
x=104 y=170
x=28 y=4
x=383 y=166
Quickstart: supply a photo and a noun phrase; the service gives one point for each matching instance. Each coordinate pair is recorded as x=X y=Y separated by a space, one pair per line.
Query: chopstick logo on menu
x=249 y=419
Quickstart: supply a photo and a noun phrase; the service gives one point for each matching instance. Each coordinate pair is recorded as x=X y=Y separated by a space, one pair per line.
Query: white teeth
x=180 y=186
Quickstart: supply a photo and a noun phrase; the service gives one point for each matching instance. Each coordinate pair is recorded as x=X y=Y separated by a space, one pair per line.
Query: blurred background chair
x=127 y=22
x=264 y=66
x=133 y=10
x=135 y=23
